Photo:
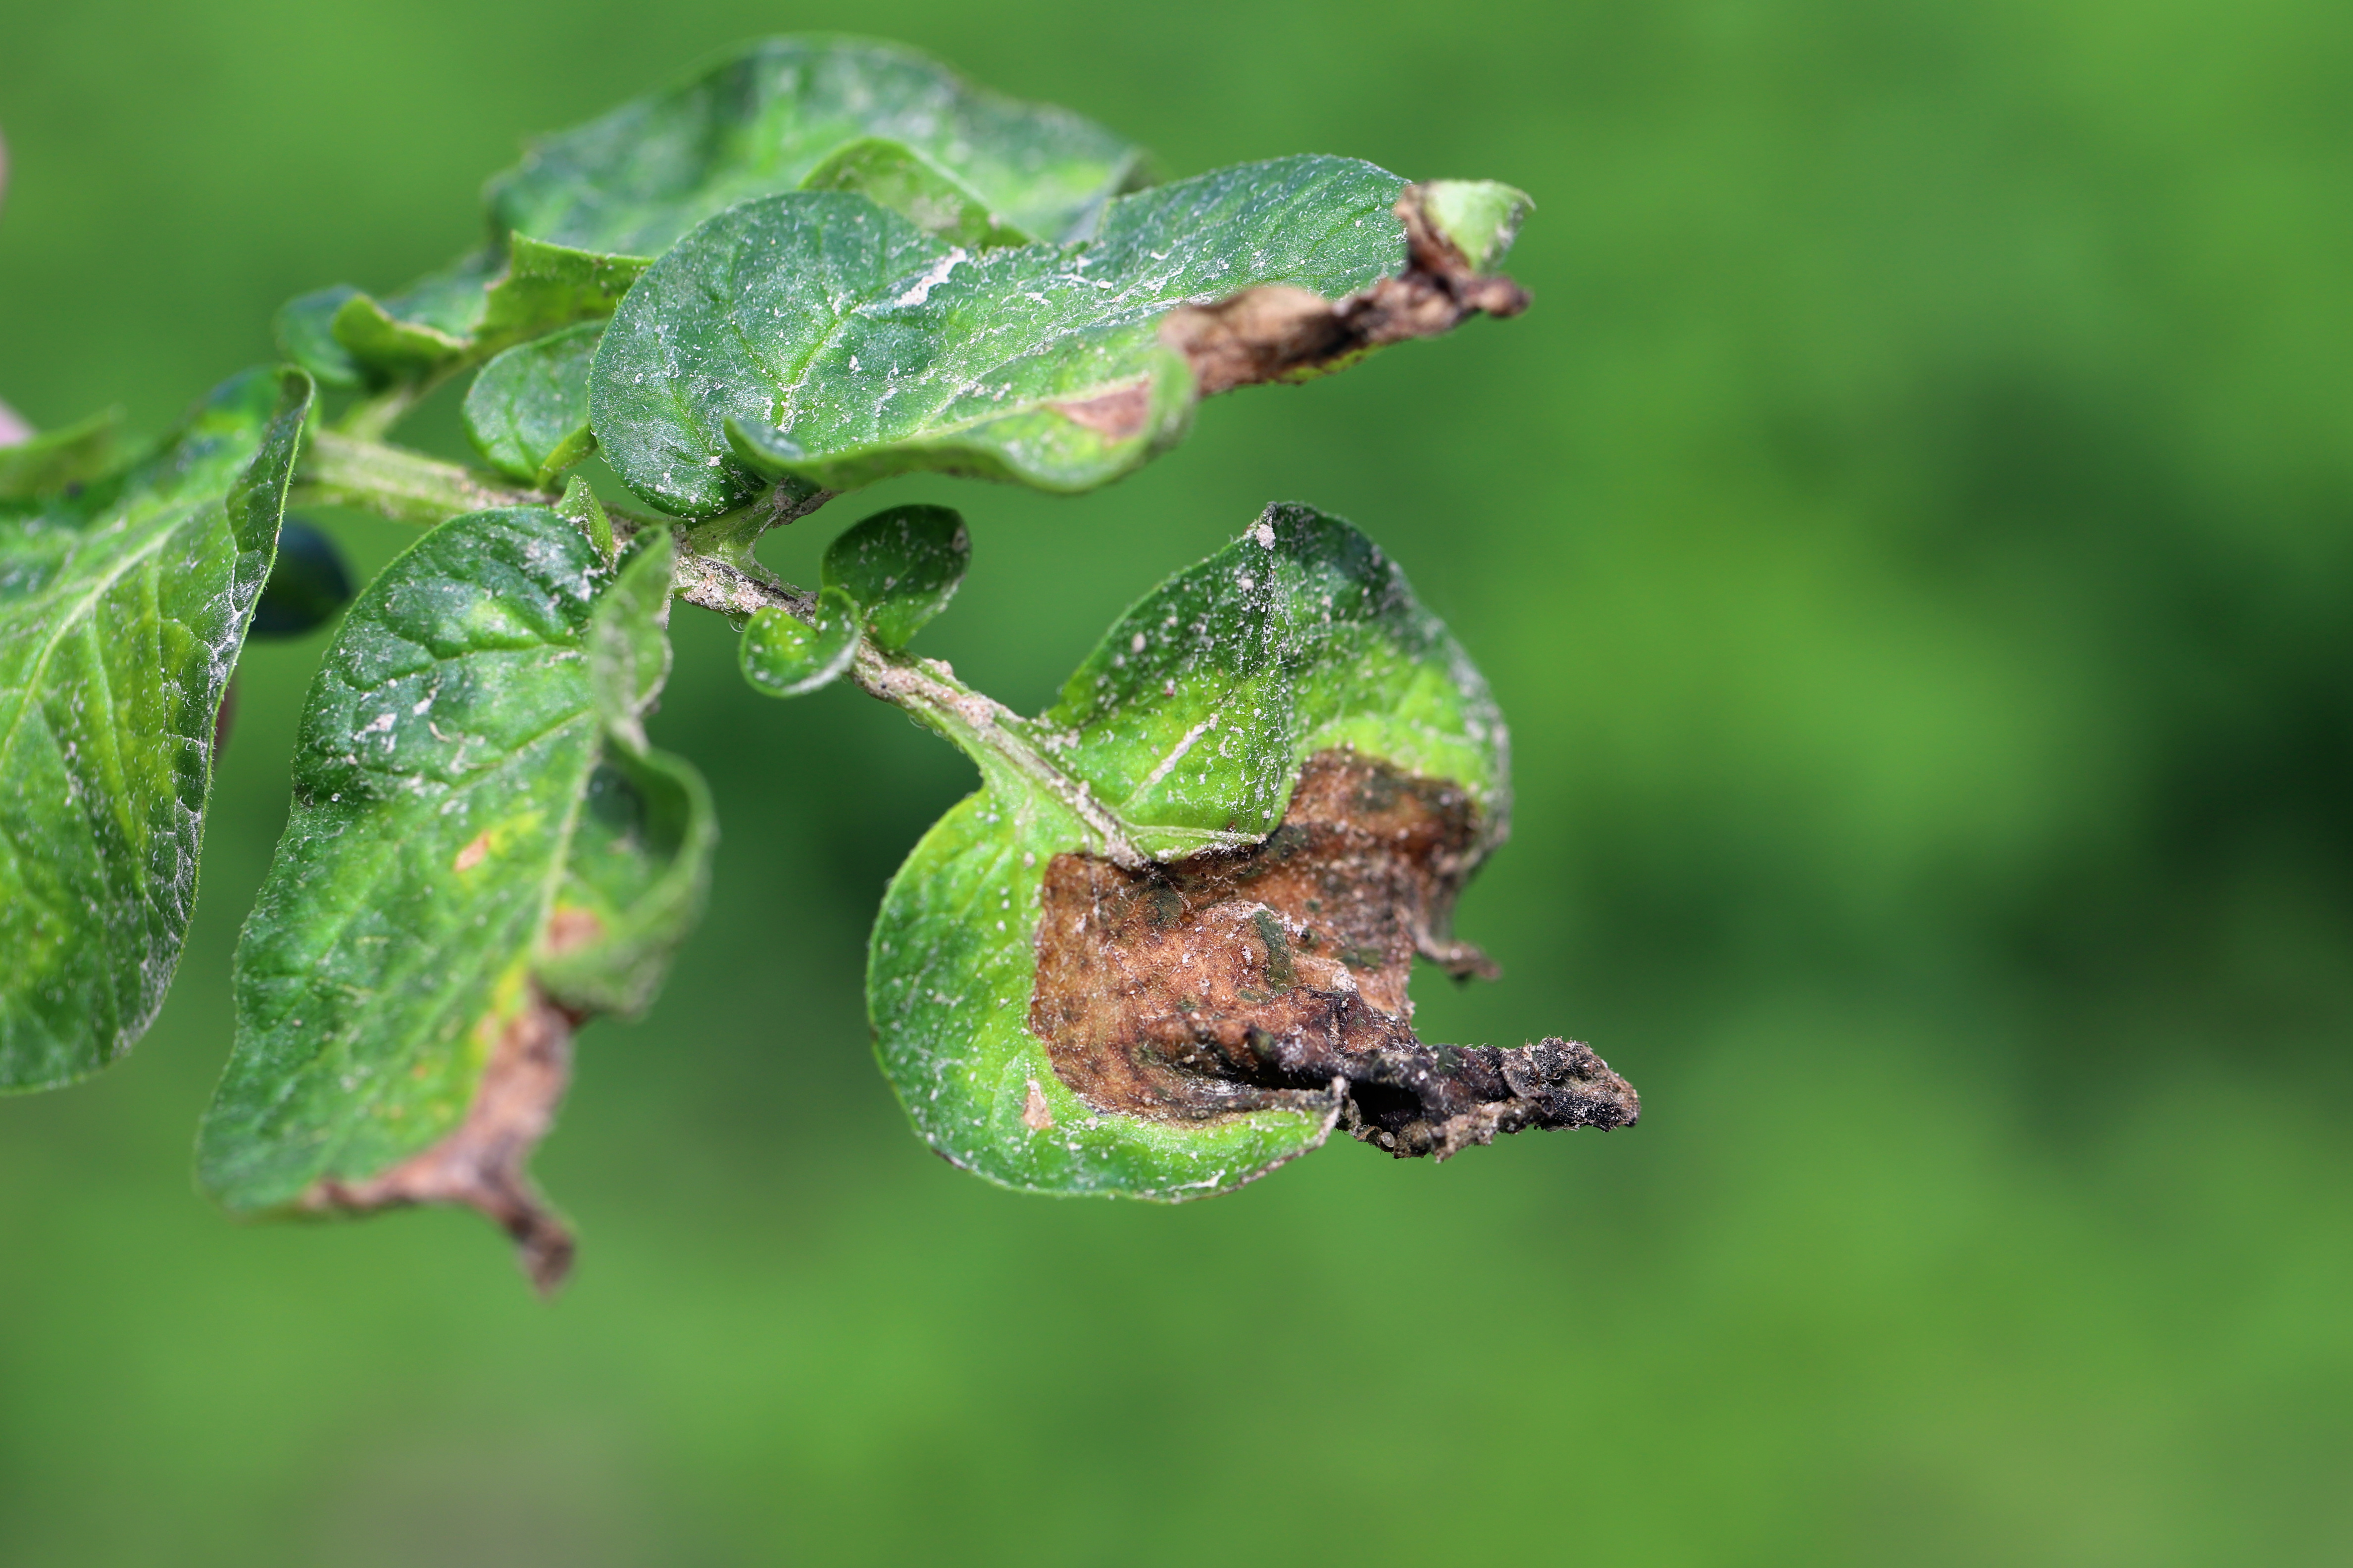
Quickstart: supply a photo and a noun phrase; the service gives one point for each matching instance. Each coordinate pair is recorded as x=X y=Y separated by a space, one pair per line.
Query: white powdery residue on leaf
x=933 y=277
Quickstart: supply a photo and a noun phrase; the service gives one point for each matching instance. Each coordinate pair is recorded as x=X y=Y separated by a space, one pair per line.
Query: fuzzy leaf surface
x=1190 y=728
x=123 y=609
x=478 y=831
x=815 y=336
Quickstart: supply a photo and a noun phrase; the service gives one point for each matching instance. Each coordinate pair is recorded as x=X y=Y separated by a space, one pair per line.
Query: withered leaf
x=484 y=851
x=1184 y=962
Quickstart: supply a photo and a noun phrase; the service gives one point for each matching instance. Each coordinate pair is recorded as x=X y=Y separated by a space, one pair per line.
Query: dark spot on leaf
x=1275 y=977
x=1277 y=333
x=481 y=1164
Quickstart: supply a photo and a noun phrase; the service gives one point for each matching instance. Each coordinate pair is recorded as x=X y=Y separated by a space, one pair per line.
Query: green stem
x=989 y=733
x=339 y=470
x=717 y=572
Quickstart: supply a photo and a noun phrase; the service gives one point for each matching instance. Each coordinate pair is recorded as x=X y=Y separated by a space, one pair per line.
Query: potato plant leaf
x=123 y=605
x=483 y=849
x=1169 y=952
x=784 y=656
x=901 y=567
x=763 y=118
x=527 y=413
x=574 y=224
x=815 y=337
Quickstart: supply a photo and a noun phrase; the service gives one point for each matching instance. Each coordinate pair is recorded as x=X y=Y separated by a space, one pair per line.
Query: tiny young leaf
x=901 y=567
x=784 y=656
x=481 y=849
x=1184 y=964
x=816 y=337
x=527 y=413
x=123 y=609
x=308 y=584
x=582 y=506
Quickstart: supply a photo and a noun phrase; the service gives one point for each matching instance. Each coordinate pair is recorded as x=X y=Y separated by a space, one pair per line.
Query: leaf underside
x=483 y=849
x=124 y=606
x=1192 y=726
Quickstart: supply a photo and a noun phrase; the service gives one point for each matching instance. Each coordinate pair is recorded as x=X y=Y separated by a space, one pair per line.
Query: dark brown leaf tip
x=482 y=1164
x=1276 y=332
x=1275 y=977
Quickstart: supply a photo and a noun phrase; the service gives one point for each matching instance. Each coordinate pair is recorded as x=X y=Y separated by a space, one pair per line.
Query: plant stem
x=338 y=469
x=716 y=571
x=987 y=731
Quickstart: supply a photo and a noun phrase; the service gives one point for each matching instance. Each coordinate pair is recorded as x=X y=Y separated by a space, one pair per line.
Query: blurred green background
x=1913 y=539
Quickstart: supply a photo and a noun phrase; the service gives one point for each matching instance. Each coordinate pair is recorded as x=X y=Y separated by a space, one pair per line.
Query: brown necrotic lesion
x=1275 y=977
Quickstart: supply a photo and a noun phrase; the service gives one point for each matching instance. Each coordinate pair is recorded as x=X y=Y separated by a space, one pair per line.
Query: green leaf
x=783 y=656
x=1479 y=218
x=426 y=326
x=816 y=337
x=1284 y=696
x=762 y=119
x=545 y=286
x=901 y=567
x=894 y=175
x=481 y=849
x=527 y=413
x=123 y=609
x=55 y=460
x=573 y=225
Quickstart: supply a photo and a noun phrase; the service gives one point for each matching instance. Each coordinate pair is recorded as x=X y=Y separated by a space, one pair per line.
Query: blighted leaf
x=784 y=656
x=308 y=584
x=815 y=337
x=762 y=119
x=1165 y=947
x=901 y=567
x=894 y=175
x=55 y=460
x=527 y=413
x=122 y=608
x=481 y=851
x=572 y=226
